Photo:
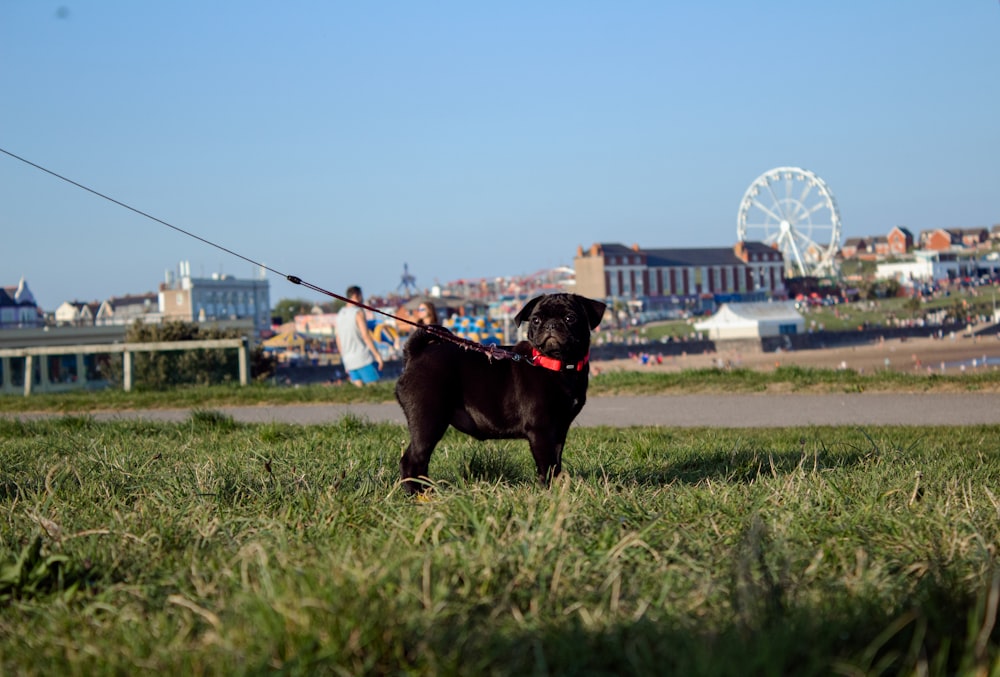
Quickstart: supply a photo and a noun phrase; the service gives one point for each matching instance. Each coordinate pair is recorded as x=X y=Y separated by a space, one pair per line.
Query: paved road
x=736 y=411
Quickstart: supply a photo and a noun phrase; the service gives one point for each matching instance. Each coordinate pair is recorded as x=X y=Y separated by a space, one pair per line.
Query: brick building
x=941 y=239
x=900 y=240
x=747 y=271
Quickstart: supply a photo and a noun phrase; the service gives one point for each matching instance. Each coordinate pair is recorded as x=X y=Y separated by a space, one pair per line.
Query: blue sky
x=338 y=140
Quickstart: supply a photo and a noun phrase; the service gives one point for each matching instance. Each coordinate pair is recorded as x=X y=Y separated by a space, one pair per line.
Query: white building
x=125 y=310
x=115 y=311
x=18 y=307
x=218 y=297
x=930 y=266
x=752 y=321
x=76 y=313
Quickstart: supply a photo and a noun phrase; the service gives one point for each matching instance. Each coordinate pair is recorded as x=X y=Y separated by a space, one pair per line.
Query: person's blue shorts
x=366 y=374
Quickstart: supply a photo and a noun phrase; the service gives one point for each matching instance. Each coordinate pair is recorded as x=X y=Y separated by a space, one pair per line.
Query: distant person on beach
x=427 y=313
x=355 y=343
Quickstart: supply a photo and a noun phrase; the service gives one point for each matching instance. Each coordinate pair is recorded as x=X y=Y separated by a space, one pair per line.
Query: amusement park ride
x=476 y=328
x=408 y=283
x=794 y=211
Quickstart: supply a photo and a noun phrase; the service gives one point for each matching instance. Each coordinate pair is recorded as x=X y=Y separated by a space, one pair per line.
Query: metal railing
x=125 y=349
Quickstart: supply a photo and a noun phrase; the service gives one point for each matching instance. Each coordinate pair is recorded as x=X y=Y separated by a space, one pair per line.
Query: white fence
x=42 y=379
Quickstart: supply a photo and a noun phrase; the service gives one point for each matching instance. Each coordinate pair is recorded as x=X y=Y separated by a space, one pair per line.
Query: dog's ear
x=594 y=310
x=523 y=314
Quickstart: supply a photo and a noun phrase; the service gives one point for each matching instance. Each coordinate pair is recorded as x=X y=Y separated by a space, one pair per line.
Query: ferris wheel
x=793 y=210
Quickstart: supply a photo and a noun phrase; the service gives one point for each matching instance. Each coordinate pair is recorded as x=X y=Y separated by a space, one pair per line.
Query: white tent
x=752 y=321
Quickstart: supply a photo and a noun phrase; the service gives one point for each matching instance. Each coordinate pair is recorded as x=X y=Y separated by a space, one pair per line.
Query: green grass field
x=212 y=547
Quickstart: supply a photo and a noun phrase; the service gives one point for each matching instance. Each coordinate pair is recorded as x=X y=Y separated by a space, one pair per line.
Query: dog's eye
x=570 y=318
x=536 y=320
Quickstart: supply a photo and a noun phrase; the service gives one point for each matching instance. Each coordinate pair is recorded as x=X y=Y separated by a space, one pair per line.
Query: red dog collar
x=553 y=364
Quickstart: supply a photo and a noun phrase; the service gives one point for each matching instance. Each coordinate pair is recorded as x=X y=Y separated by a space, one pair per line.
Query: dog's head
x=559 y=325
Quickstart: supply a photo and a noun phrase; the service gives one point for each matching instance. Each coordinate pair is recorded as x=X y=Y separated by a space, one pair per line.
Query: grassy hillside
x=211 y=547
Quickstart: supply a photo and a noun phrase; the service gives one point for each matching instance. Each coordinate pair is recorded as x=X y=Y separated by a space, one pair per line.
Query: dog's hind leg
x=415 y=462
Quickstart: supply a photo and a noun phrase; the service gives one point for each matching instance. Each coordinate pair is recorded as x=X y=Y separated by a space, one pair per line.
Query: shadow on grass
x=656 y=458
x=740 y=467
x=944 y=624
x=514 y=467
x=731 y=467
x=938 y=630
x=935 y=632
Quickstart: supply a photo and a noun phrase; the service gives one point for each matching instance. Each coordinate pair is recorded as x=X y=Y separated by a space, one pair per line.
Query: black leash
x=492 y=352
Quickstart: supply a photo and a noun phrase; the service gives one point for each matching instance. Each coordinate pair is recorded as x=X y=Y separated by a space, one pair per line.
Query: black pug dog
x=533 y=398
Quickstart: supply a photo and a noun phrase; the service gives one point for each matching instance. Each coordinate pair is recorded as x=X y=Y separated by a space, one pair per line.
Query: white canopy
x=753 y=320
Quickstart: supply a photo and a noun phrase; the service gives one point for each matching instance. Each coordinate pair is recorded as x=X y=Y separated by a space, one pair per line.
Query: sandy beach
x=950 y=354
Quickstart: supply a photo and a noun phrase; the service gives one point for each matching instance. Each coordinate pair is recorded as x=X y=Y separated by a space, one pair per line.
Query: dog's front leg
x=547 y=451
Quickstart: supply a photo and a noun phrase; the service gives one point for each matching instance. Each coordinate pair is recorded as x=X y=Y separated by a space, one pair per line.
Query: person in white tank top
x=355 y=344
